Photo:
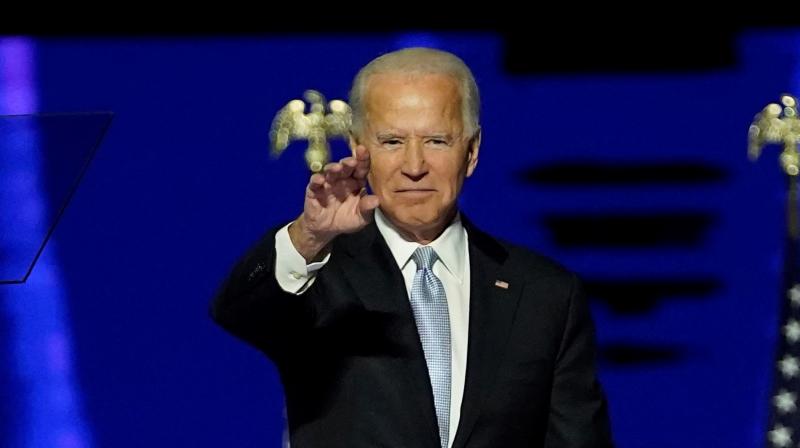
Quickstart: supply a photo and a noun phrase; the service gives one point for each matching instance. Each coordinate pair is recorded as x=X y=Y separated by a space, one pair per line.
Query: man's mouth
x=415 y=191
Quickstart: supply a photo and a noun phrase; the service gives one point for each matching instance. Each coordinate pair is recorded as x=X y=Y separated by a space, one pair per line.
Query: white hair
x=419 y=61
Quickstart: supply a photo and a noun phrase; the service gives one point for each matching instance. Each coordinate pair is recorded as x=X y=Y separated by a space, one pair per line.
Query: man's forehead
x=382 y=84
x=389 y=124
x=398 y=96
x=399 y=104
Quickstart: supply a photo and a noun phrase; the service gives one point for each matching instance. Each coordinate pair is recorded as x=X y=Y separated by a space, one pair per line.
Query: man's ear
x=473 y=148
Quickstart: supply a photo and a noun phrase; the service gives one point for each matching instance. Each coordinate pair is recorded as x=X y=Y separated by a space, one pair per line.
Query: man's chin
x=416 y=217
x=416 y=222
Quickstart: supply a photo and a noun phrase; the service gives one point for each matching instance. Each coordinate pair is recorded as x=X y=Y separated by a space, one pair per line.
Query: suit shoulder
x=534 y=264
x=516 y=258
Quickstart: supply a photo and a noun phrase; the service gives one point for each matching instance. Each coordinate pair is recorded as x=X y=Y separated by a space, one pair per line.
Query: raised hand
x=336 y=202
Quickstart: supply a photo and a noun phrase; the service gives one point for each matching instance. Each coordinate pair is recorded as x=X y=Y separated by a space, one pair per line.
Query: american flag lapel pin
x=501 y=284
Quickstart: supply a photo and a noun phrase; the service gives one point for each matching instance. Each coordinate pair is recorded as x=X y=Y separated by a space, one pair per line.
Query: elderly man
x=395 y=322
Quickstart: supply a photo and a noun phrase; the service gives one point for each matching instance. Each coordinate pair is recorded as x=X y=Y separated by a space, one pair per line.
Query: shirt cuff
x=292 y=272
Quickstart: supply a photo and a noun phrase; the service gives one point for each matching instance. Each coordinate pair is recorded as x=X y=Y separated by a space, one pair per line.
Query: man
x=392 y=320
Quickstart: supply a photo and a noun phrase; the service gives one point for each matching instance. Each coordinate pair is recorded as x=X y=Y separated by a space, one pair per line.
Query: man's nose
x=414 y=165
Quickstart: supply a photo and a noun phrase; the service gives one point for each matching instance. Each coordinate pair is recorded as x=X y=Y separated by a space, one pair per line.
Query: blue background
x=183 y=184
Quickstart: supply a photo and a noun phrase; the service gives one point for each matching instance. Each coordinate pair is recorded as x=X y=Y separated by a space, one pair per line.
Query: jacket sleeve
x=252 y=306
x=578 y=416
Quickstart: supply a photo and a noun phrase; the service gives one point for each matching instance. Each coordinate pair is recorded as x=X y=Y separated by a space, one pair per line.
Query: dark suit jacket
x=352 y=365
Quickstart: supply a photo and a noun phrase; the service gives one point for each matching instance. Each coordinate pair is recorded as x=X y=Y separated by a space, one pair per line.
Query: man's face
x=419 y=152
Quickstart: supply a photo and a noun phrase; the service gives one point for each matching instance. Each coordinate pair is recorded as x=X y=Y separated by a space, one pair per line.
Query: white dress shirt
x=295 y=276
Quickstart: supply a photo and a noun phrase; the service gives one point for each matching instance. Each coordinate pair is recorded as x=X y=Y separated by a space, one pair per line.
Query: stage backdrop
x=637 y=180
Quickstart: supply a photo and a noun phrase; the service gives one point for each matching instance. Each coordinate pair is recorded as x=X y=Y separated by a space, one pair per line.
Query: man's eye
x=393 y=141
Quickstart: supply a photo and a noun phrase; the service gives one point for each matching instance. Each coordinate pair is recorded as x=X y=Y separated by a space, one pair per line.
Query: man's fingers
x=342 y=170
x=316 y=187
x=368 y=203
x=345 y=187
x=333 y=175
x=362 y=166
x=316 y=181
x=342 y=179
x=332 y=171
x=348 y=166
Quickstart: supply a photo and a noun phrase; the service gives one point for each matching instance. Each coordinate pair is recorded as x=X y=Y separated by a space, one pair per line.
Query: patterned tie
x=429 y=302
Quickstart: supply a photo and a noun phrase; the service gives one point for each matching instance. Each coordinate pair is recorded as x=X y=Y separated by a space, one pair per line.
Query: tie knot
x=424 y=257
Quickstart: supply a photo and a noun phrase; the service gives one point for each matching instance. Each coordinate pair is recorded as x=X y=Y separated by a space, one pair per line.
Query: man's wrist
x=311 y=245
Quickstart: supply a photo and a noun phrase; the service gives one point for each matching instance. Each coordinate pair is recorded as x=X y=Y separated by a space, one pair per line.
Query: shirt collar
x=450 y=246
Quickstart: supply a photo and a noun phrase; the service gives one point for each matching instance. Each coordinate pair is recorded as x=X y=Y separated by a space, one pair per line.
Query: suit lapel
x=491 y=314
x=374 y=275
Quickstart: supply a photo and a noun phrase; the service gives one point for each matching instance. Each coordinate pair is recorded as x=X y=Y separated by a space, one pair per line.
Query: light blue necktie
x=429 y=302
